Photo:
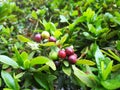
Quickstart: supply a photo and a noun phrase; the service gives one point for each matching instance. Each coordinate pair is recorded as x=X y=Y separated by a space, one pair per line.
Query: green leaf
x=98 y=57
x=111 y=84
x=114 y=55
x=34 y=15
x=74 y=13
x=41 y=79
x=44 y=67
x=18 y=56
x=24 y=55
x=116 y=67
x=48 y=44
x=51 y=78
x=67 y=70
x=8 y=79
x=106 y=72
x=83 y=77
x=26 y=64
x=89 y=14
x=22 y=38
x=66 y=63
x=63 y=39
x=79 y=19
x=57 y=33
x=16 y=83
x=4 y=40
x=6 y=60
x=108 y=15
x=52 y=27
x=118 y=44
x=108 y=54
x=88 y=35
x=39 y=60
x=51 y=64
x=86 y=62
x=19 y=75
x=92 y=29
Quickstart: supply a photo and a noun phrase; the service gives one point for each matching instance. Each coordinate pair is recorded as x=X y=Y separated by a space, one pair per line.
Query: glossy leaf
x=34 y=15
x=51 y=64
x=98 y=57
x=9 y=80
x=41 y=81
x=67 y=70
x=63 y=19
x=106 y=71
x=112 y=83
x=86 y=62
x=82 y=77
x=89 y=14
x=22 y=38
x=48 y=44
x=116 y=67
x=57 y=33
x=114 y=55
x=63 y=39
x=26 y=64
x=39 y=60
x=6 y=60
x=66 y=63
x=18 y=57
x=118 y=44
x=24 y=55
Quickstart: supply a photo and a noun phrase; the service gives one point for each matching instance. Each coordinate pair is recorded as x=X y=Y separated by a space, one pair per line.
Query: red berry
x=37 y=37
x=52 y=39
x=69 y=51
x=62 y=54
x=75 y=55
x=72 y=59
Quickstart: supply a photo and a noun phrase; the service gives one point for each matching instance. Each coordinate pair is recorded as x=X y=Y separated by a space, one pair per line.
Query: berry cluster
x=44 y=35
x=69 y=53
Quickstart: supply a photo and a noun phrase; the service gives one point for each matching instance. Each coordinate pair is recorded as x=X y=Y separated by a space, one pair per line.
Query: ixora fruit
x=69 y=51
x=75 y=55
x=45 y=35
x=52 y=39
x=57 y=63
x=37 y=37
x=72 y=59
x=62 y=54
x=53 y=55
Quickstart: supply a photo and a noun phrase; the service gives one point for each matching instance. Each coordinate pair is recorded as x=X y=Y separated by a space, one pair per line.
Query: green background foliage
x=91 y=27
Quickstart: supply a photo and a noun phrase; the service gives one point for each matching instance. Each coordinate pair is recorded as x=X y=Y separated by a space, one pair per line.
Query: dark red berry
x=52 y=39
x=62 y=54
x=57 y=63
x=69 y=51
x=72 y=59
x=37 y=37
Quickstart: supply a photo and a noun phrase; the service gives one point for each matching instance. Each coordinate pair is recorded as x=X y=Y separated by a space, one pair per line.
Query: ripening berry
x=37 y=37
x=52 y=39
x=62 y=54
x=72 y=59
x=69 y=51
x=45 y=35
